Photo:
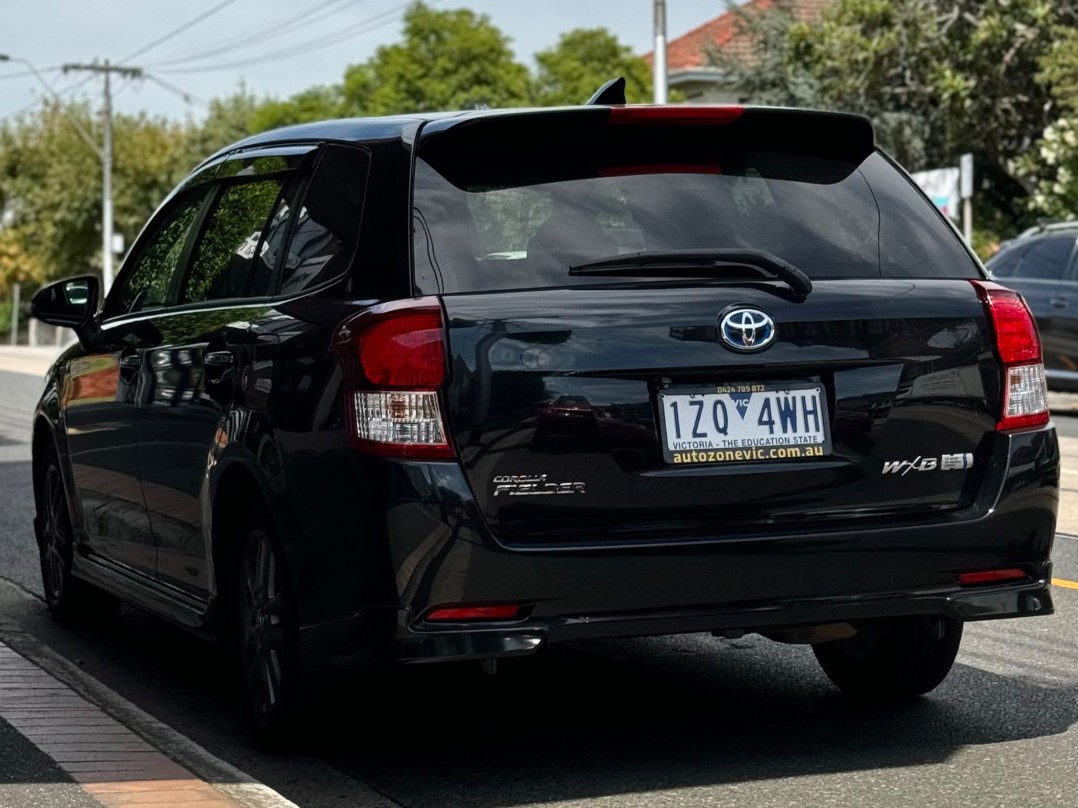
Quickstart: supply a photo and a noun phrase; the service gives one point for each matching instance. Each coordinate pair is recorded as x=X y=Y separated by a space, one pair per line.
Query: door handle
x=219 y=359
x=1060 y=302
x=129 y=366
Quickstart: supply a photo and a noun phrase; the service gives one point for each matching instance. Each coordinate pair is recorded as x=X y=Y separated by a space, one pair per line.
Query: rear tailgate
x=909 y=395
x=601 y=409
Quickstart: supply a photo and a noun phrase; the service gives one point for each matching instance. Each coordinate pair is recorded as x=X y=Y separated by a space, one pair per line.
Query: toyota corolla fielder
x=440 y=387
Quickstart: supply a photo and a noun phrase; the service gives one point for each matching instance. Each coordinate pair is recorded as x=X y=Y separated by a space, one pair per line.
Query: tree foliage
x=453 y=59
x=50 y=178
x=937 y=77
x=50 y=183
x=581 y=62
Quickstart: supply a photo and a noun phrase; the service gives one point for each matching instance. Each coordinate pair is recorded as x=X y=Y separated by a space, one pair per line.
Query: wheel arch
x=236 y=489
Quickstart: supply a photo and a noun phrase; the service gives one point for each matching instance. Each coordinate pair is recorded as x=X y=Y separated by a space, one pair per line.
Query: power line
x=25 y=73
x=182 y=93
x=286 y=26
x=370 y=24
x=177 y=31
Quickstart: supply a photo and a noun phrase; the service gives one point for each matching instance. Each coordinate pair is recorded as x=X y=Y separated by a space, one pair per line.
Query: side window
x=230 y=256
x=1046 y=259
x=156 y=265
x=327 y=226
x=1005 y=263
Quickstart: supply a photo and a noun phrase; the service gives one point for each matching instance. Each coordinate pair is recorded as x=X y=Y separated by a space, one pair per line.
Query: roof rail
x=1049 y=227
x=613 y=92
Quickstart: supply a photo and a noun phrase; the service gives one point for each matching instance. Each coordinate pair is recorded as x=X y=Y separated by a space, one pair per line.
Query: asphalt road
x=655 y=722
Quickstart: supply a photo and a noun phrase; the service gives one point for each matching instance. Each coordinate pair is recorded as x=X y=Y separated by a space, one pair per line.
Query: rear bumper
x=1028 y=599
x=440 y=553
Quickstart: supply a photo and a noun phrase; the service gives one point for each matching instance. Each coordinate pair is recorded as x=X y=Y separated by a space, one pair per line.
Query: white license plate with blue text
x=744 y=423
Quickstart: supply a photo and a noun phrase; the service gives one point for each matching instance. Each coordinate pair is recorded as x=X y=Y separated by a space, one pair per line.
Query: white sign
x=942 y=187
x=966 y=165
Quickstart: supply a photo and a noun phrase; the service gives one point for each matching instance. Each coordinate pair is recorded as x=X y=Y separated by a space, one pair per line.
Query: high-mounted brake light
x=676 y=114
x=395 y=364
x=1018 y=346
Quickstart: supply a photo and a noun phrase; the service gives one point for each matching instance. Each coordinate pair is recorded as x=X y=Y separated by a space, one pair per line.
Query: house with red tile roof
x=688 y=70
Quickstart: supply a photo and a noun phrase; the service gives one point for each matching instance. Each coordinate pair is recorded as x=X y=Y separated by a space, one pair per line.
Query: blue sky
x=51 y=32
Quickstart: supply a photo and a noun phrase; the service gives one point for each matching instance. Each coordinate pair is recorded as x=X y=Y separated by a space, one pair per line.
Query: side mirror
x=71 y=303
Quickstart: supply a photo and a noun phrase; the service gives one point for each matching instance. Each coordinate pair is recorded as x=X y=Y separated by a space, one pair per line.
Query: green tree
x=453 y=59
x=582 y=61
x=1052 y=167
x=50 y=185
x=937 y=77
x=229 y=119
x=313 y=104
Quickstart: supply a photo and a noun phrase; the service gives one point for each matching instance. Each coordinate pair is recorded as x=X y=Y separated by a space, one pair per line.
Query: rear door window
x=230 y=256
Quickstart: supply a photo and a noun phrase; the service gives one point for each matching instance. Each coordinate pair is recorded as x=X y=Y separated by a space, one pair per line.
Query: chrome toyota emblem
x=745 y=329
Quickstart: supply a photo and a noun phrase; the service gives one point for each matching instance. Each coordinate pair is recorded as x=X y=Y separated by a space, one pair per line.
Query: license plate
x=744 y=423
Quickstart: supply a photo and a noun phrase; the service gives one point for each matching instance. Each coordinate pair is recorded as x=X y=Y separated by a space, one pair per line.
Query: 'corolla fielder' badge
x=746 y=329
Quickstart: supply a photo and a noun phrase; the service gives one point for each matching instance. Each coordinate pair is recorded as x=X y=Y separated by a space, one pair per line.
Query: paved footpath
x=67 y=740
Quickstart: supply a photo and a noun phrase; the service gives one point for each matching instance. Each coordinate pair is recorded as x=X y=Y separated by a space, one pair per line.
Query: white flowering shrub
x=1053 y=169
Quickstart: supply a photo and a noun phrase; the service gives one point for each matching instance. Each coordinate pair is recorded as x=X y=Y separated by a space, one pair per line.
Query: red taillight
x=456 y=614
x=395 y=363
x=991 y=576
x=674 y=114
x=404 y=350
x=1018 y=346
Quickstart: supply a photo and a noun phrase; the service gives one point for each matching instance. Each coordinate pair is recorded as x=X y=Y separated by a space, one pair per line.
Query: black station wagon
x=460 y=386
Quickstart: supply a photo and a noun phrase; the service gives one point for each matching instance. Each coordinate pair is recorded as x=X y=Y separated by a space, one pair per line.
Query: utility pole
x=659 y=57
x=15 y=314
x=106 y=70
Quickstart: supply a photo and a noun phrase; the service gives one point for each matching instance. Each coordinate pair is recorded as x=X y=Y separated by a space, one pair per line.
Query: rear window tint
x=493 y=213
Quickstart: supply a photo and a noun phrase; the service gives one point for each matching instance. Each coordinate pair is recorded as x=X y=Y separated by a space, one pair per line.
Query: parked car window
x=1005 y=263
x=156 y=265
x=225 y=264
x=1046 y=259
x=327 y=227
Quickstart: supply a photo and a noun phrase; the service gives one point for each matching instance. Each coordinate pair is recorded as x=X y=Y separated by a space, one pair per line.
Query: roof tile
x=690 y=50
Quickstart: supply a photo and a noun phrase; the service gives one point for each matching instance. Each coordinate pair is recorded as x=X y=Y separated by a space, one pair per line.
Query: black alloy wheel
x=265 y=628
x=67 y=597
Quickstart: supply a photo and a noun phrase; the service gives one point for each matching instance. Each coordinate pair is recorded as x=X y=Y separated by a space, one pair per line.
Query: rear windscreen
x=506 y=204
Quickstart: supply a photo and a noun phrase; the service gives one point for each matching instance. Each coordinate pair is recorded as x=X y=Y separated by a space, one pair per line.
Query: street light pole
x=659 y=57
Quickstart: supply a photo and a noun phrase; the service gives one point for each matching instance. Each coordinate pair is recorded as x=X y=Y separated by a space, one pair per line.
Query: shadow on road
x=586 y=720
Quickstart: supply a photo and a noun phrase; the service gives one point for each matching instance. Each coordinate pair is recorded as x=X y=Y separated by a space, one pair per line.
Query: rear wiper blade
x=697 y=264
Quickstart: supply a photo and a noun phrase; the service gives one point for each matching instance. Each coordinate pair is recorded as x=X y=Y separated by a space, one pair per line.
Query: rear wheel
x=265 y=634
x=66 y=596
x=893 y=659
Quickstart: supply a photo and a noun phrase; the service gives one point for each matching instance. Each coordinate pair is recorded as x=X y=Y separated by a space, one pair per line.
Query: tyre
x=67 y=597
x=265 y=636
x=894 y=659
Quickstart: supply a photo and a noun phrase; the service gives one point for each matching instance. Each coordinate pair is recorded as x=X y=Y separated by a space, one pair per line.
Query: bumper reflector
x=457 y=614
x=991 y=576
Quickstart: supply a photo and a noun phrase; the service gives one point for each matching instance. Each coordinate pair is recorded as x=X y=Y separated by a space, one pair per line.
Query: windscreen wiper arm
x=697 y=264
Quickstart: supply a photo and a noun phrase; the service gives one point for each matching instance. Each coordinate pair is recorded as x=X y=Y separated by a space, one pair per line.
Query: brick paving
x=110 y=762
